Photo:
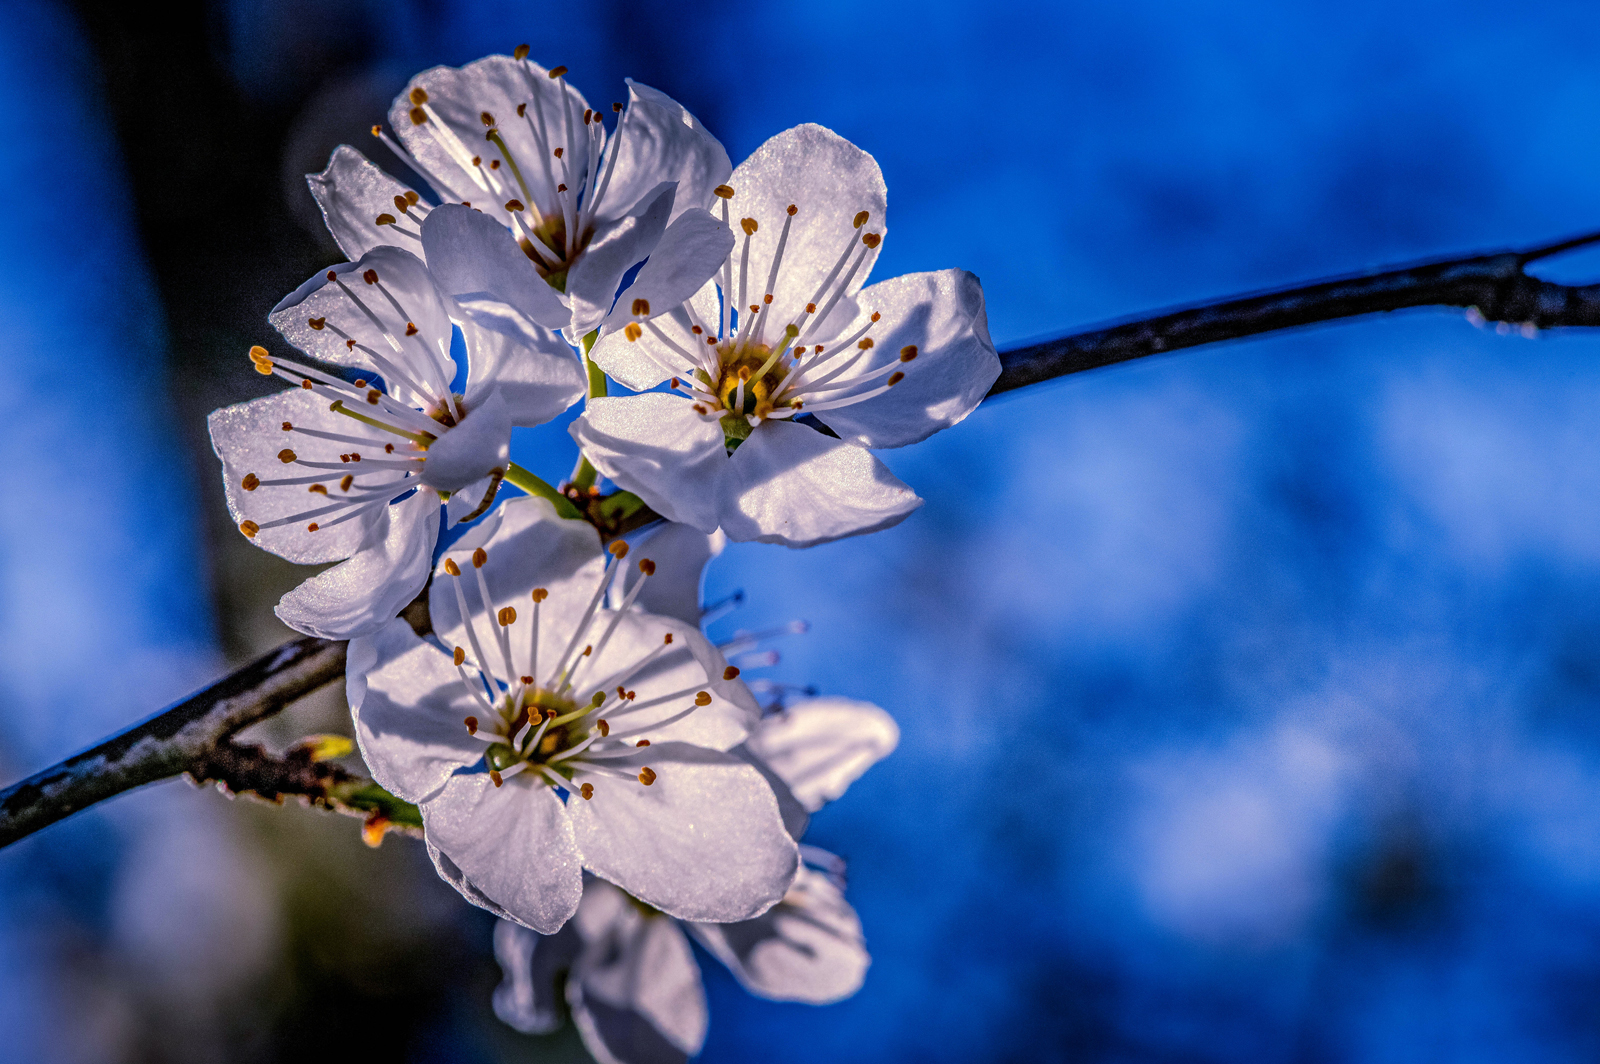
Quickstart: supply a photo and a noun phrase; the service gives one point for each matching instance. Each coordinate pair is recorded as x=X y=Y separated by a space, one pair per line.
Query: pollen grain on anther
x=249 y=528
x=507 y=616
x=642 y=742
x=479 y=558
x=540 y=594
x=286 y=456
x=908 y=352
x=587 y=791
x=703 y=698
x=647 y=567
x=250 y=482
x=459 y=656
x=647 y=776
x=472 y=725
x=603 y=727
x=619 y=549
x=730 y=673
x=451 y=567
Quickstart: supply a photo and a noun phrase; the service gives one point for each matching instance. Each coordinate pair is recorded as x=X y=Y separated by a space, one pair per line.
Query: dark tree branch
x=1497 y=285
x=239 y=768
x=172 y=742
x=195 y=736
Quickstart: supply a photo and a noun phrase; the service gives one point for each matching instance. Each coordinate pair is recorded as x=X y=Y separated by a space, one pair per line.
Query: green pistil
x=505 y=153
x=735 y=430
x=421 y=439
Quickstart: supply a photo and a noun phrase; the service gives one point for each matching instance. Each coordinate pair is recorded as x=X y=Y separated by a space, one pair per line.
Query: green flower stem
x=365 y=796
x=535 y=486
x=585 y=475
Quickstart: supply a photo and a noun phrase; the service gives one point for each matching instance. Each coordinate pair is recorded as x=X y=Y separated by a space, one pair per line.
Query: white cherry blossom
x=786 y=332
x=547 y=734
x=632 y=984
x=356 y=468
x=538 y=206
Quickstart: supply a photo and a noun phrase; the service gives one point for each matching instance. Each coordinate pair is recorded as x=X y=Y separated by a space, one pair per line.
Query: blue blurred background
x=1249 y=695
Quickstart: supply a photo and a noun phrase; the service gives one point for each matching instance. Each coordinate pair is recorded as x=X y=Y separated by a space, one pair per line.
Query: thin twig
x=1497 y=285
x=195 y=735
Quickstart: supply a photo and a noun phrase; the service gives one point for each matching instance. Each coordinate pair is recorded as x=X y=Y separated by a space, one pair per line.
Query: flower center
x=385 y=447
x=550 y=192
x=536 y=723
x=744 y=367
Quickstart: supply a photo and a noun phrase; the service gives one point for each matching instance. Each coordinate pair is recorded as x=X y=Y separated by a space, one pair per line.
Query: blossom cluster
x=587 y=763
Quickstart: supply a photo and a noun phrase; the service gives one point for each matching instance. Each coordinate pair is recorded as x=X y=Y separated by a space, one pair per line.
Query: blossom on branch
x=551 y=735
x=356 y=468
x=785 y=332
x=538 y=206
x=631 y=982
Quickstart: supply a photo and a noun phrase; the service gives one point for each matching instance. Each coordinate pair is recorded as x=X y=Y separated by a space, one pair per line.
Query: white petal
x=495 y=84
x=635 y=989
x=692 y=664
x=643 y=363
x=703 y=842
x=352 y=194
x=474 y=257
x=249 y=436
x=656 y=447
x=954 y=364
x=688 y=254
x=470 y=500
x=531 y=367
x=680 y=553
x=473 y=449
x=790 y=484
x=661 y=141
x=408 y=705
x=456 y=878
x=361 y=595
x=514 y=843
x=829 y=180
x=592 y=282
x=532 y=967
x=796 y=818
x=806 y=948
x=819 y=746
x=529 y=547
x=423 y=355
